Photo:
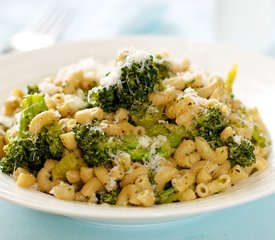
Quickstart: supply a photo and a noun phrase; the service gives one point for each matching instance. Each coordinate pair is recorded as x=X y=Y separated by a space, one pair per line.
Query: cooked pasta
x=148 y=130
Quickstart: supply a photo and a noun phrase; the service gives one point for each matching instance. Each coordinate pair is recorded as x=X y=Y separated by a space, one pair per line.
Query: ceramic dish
x=255 y=86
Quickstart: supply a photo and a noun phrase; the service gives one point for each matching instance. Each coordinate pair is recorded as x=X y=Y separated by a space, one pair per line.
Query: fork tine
x=52 y=18
x=40 y=19
x=63 y=20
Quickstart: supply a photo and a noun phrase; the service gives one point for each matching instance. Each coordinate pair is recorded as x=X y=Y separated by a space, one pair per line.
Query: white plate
x=255 y=85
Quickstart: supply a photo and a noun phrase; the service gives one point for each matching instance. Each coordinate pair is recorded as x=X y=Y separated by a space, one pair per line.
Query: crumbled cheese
x=151 y=109
x=161 y=121
x=155 y=161
x=97 y=128
x=61 y=184
x=157 y=142
x=237 y=139
x=111 y=184
x=200 y=101
x=56 y=113
x=74 y=102
x=144 y=141
x=17 y=117
x=85 y=69
x=8 y=122
x=120 y=158
x=188 y=76
x=190 y=92
x=114 y=75
x=49 y=88
x=112 y=78
x=91 y=69
x=137 y=56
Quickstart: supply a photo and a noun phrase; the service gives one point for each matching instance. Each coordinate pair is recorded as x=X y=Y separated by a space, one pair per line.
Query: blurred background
x=248 y=24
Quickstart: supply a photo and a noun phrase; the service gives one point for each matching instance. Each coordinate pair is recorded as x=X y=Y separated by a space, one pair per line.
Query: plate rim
x=150 y=213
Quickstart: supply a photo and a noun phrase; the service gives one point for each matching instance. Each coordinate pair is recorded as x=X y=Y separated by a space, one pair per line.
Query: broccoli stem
x=69 y=162
x=168 y=196
x=31 y=106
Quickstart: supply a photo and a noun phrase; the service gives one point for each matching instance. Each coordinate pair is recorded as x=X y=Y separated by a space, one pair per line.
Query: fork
x=43 y=31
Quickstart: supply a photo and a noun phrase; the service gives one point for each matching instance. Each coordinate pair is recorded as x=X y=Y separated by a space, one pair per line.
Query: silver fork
x=43 y=31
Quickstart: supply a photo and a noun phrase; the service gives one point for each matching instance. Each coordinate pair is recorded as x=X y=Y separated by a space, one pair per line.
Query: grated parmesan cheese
x=49 y=88
x=155 y=161
x=144 y=141
x=137 y=56
x=112 y=78
x=237 y=139
x=74 y=102
x=134 y=56
x=157 y=142
x=111 y=184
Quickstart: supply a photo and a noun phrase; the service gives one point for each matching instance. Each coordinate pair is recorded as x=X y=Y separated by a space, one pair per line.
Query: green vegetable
x=31 y=151
x=172 y=132
x=51 y=136
x=136 y=79
x=258 y=138
x=94 y=145
x=131 y=145
x=32 y=89
x=69 y=162
x=163 y=67
x=241 y=152
x=31 y=106
x=209 y=125
x=97 y=147
x=130 y=141
x=149 y=117
x=231 y=77
x=168 y=196
x=138 y=154
x=109 y=197
x=146 y=115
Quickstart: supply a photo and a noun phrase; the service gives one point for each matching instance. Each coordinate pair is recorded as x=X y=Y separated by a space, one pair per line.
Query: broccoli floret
x=31 y=151
x=135 y=80
x=31 y=106
x=109 y=197
x=172 y=132
x=94 y=145
x=51 y=136
x=16 y=155
x=240 y=152
x=149 y=117
x=104 y=97
x=209 y=125
x=32 y=89
x=168 y=196
x=163 y=67
x=26 y=152
x=138 y=154
x=132 y=145
x=98 y=148
x=258 y=138
x=146 y=115
x=151 y=176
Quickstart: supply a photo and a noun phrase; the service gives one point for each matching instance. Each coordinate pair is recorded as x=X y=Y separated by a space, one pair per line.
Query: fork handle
x=7 y=49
